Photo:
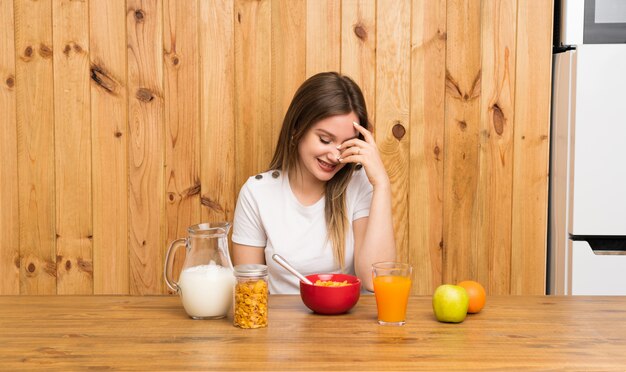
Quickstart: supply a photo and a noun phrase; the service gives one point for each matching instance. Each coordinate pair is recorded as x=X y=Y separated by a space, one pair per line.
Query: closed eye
x=324 y=140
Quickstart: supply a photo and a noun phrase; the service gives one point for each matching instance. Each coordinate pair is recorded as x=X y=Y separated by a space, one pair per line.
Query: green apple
x=450 y=303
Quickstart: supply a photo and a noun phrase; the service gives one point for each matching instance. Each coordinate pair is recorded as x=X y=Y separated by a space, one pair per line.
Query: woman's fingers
x=351 y=148
x=365 y=152
x=367 y=135
x=355 y=142
x=351 y=159
x=357 y=151
x=367 y=141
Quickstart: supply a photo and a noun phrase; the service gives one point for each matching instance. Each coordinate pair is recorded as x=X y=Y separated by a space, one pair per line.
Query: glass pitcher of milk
x=206 y=281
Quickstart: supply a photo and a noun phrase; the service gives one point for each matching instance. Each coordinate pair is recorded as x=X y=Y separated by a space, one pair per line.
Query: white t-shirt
x=269 y=216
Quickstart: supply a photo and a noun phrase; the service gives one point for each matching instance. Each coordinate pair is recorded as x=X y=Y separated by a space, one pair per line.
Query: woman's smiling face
x=317 y=150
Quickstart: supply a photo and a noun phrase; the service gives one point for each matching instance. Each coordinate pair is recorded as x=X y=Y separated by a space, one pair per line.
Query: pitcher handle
x=169 y=261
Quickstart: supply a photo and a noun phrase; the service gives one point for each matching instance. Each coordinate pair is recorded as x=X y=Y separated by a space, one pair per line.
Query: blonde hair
x=319 y=97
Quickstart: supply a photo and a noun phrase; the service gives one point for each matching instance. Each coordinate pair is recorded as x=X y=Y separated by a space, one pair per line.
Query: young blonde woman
x=325 y=202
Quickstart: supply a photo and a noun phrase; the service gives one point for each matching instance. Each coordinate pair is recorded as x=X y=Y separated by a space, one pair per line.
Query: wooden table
x=153 y=333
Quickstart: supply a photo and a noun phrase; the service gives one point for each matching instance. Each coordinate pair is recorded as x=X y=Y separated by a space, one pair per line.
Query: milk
x=207 y=290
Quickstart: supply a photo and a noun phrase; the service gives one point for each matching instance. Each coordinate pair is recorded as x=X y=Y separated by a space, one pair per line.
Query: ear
x=292 y=142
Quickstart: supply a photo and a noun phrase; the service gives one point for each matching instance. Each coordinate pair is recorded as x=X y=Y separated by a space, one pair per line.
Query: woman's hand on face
x=365 y=152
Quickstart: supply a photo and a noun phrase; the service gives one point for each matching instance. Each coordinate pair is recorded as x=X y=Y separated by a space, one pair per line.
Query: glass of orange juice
x=392 y=285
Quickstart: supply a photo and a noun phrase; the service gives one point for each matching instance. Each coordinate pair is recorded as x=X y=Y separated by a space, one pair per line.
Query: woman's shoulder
x=264 y=181
x=359 y=179
x=359 y=185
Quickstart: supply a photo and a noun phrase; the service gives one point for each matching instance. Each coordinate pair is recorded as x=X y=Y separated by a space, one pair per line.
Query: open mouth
x=327 y=167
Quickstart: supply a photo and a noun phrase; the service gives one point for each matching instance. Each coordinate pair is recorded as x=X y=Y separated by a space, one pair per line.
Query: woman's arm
x=247 y=227
x=245 y=254
x=373 y=236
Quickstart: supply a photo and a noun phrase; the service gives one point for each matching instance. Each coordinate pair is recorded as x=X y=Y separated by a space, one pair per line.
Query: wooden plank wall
x=125 y=121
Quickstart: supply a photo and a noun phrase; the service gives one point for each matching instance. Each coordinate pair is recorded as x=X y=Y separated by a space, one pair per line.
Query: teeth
x=326 y=164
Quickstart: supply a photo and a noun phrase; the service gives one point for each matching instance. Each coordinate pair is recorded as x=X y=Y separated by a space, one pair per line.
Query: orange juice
x=392 y=295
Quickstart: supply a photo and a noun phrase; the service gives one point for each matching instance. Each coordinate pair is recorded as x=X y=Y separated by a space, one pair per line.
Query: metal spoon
x=282 y=262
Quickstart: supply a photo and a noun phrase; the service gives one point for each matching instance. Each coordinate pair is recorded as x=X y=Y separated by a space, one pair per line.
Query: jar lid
x=250 y=270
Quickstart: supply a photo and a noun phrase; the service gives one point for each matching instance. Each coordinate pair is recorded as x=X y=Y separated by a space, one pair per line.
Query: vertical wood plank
x=288 y=58
x=35 y=146
x=109 y=112
x=217 y=110
x=323 y=36
x=531 y=147
x=146 y=153
x=461 y=165
x=253 y=72
x=358 y=47
x=393 y=69
x=182 y=119
x=425 y=213
x=9 y=214
x=496 y=145
x=72 y=147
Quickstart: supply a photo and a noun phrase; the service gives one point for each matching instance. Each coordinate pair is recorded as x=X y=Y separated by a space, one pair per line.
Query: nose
x=334 y=155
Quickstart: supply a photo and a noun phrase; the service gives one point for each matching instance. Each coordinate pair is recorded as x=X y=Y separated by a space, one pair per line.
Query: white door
x=598 y=195
x=597 y=274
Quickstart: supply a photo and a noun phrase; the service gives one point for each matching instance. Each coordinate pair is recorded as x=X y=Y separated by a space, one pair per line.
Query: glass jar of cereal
x=251 y=294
